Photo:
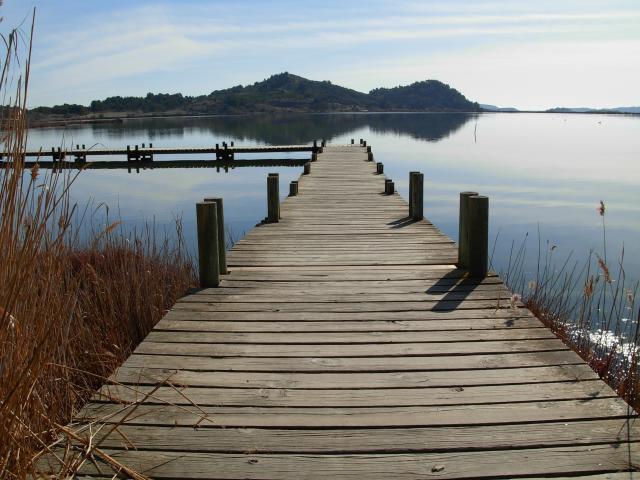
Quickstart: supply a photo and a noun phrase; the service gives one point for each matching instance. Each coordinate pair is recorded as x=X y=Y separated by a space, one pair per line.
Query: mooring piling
x=416 y=195
x=389 y=187
x=463 y=225
x=273 y=198
x=293 y=188
x=208 y=250
x=478 y=235
x=222 y=247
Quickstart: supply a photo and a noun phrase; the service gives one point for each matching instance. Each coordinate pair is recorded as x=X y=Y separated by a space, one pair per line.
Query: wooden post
x=222 y=246
x=293 y=188
x=323 y=143
x=369 y=149
x=273 y=198
x=315 y=145
x=314 y=157
x=352 y=141
x=379 y=168
x=370 y=157
x=389 y=187
x=361 y=140
x=364 y=144
x=307 y=169
x=207 y=221
x=151 y=145
x=478 y=235
x=463 y=234
x=417 y=197
x=411 y=175
x=232 y=144
x=83 y=146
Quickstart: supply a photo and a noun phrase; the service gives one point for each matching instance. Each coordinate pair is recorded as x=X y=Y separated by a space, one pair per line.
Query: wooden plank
x=335 y=338
x=506 y=315
x=472 y=464
x=373 y=440
x=353 y=364
x=167 y=324
x=335 y=398
x=277 y=417
x=350 y=350
x=347 y=296
x=416 y=379
x=342 y=307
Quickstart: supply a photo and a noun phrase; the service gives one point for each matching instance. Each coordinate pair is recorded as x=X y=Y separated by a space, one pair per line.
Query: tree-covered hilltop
x=429 y=95
x=283 y=92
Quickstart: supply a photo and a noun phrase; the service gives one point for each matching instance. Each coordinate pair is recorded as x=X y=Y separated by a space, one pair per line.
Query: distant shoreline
x=119 y=119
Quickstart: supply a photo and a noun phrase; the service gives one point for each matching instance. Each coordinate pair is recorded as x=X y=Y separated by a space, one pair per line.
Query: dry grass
x=70 y=310
x=591 y=306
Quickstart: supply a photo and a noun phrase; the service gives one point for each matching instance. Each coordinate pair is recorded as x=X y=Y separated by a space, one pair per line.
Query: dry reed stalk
x=590 y=310
x=70 y=311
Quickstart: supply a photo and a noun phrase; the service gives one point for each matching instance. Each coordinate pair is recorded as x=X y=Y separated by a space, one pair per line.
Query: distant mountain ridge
x=635 y=110
x=493 y=108
x=283 y=92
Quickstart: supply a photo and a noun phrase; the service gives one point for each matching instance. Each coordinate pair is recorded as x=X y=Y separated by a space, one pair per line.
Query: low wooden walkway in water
x=345 y=344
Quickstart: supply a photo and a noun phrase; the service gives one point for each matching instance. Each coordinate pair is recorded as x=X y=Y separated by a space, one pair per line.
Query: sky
x=526 y=54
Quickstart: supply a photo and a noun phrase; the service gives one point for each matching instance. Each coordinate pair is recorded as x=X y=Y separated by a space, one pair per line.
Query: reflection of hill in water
x=292 y=129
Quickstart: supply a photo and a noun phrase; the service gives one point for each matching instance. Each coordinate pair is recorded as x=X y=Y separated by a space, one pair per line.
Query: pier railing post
x=411 y=174
x=416 y=195
x=207 y=224
x=389 y=187
x=463 y=226
x=478 y=235
x=293 y=188
x=273 y=198
x=222 y=247
x=379 y=168
x=307 y=169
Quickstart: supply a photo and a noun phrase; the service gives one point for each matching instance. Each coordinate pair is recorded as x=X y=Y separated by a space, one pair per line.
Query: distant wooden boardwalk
x=345 y=344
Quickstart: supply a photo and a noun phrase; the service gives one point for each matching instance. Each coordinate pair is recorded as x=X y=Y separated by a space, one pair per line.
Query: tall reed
x=71 y=309
x=591 y=305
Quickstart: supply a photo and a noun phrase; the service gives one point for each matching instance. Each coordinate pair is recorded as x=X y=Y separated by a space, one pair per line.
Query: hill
x=283 y=92
x=430 y=95
x=493 y=108
x=632 y=110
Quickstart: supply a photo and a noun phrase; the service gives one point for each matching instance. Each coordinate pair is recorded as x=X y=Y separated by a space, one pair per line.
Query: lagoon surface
x=542 y=172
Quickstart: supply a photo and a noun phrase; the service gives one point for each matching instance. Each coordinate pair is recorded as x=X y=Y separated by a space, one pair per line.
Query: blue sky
x=528 y=54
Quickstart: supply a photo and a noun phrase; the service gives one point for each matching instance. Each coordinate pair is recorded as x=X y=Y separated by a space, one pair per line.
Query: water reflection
x=287 y=129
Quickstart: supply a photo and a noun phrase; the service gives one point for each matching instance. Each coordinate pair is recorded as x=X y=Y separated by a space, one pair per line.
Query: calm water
x=541 y=171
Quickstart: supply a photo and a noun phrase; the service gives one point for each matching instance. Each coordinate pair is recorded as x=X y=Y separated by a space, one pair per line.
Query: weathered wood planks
x=344 y=343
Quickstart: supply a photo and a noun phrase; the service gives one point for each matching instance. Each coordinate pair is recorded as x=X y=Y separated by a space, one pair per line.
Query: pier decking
x=344 y=343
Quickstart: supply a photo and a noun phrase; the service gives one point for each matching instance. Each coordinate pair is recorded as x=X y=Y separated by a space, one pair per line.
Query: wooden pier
x=221 y=152
x=344 y=343
x=145 y=157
